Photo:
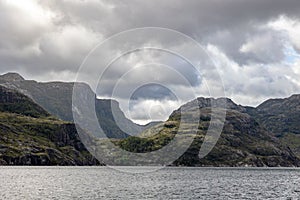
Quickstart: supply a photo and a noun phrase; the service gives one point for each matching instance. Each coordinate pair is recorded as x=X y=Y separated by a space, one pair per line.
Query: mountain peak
x=222 y=102
x=295 y=96
x=218 y=102
x=11 y=77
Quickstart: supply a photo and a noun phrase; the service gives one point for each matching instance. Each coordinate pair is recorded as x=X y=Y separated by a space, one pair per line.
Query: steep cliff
x=31 y=136
x=56 y=98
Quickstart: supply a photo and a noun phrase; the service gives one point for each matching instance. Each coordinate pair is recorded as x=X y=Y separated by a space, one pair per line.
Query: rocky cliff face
x=30 y=136
x=42 y=143
x=243 y=142
x=280 y=116
x=56 y=98
x=11 y=101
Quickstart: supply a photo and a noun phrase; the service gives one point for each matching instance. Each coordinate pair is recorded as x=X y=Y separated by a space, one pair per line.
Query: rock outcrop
x=243 y=141
x=56 y=98
x=30 y=136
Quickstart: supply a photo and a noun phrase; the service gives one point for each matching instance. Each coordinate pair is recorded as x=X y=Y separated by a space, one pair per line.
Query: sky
x=254 y=46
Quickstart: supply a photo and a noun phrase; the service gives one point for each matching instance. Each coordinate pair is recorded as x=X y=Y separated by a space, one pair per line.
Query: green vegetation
x=243 y=142
x=293 y=141
x=56 y=98
x=11 y=101
x=280 y=116
x=30 y=136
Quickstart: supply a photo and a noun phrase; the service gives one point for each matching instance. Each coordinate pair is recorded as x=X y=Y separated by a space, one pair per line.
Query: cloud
x=145 y=67
x=264 y=47
x=22 y=23
x=252 y=83
x=289 y=26
x=144 y=111
x=255 y=45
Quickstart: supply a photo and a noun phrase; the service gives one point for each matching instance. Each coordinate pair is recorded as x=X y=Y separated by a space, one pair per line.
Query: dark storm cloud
x=148 y=66
x=153 y=91
x=48 y=40
x=60 y=39
x=227 y=24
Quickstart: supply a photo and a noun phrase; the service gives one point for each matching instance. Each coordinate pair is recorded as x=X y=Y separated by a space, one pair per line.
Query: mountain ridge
x=243 y=141
x=56 y=98
x=252 y=136
x=11 y=76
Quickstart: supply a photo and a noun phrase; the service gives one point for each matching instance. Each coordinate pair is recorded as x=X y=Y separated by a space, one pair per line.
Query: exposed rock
x=56 y=98
x=243 y=141
x=280 y=116
x=11 y=77
x=36 y=139
x=11 y=101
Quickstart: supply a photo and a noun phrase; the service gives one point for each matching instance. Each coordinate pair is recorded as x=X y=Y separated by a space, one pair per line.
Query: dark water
x=169 y=183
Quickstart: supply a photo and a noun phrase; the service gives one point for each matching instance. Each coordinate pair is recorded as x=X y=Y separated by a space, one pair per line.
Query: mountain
x=34 y=128
x=14 y=102
x=56 y=98
x=11 y=77
x=243 y=141
x=282 y=118
x=29 y=135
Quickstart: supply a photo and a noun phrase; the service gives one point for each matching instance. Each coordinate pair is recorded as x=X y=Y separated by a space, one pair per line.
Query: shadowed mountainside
x=243 y=141
x=31 y=136
x=56 y=98
x=282 y=118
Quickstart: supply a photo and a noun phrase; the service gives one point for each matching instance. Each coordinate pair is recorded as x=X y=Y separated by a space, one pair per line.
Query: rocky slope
x=282 y=118
x=11 y=101
x=56 y=98
x=31 y=136
x=243 y=141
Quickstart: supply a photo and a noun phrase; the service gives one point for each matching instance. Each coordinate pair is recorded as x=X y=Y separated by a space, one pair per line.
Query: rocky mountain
x=11 y=77
x=11 y=101
x=282 y=118
x=34 y=131
x=29 y=135
x=56 y=98
x=243 y=141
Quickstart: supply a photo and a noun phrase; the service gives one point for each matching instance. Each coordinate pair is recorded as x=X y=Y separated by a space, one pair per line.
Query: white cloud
x=145 y=110
x=23 y=22
x=250 y=84
x=294 y=77
x=69 y=41
x=48 y=40
x=289 y=26
x=265 y=47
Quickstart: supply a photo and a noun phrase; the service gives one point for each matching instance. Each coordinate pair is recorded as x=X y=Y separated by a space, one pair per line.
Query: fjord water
x=167 y=183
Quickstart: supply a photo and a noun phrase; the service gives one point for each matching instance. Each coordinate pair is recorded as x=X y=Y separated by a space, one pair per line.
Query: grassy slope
x=293 y=141
x=243 y=143
x=38 y=141
x=30 y=136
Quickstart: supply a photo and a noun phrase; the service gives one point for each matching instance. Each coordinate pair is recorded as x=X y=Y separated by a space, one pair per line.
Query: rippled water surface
x=169 y=183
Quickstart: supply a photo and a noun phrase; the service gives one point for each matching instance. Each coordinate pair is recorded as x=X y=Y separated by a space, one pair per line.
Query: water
x=169 y=183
